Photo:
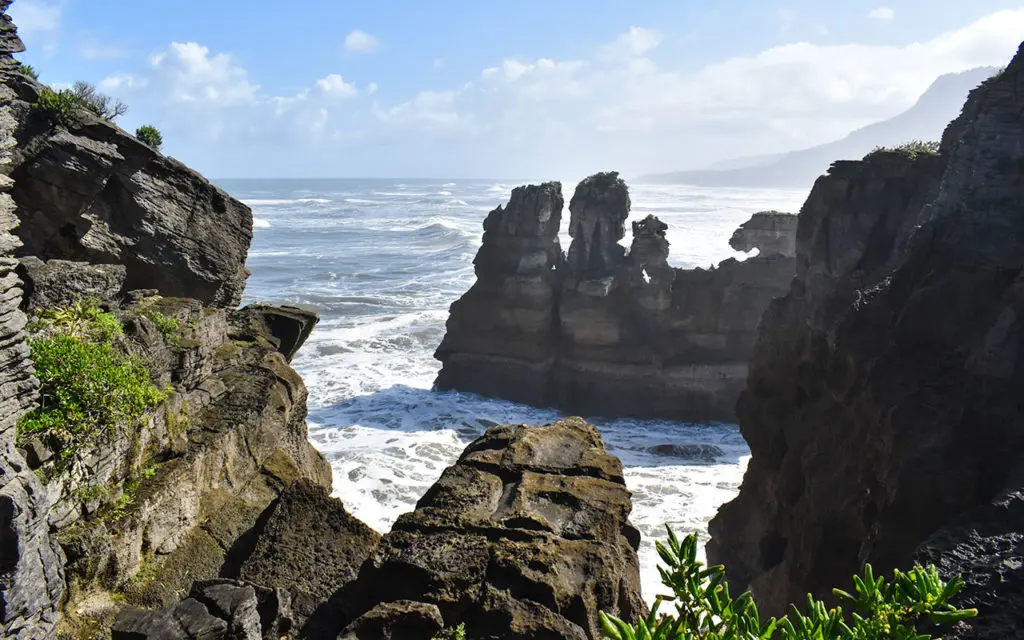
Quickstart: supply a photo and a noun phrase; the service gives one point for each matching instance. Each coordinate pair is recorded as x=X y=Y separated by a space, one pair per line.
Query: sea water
x=381 y=261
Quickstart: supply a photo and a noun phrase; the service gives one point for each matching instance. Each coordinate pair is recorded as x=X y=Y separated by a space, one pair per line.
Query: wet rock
x=526 y=536
x=59 y=283
x=699 y=452
x=883 y=405
x=606 y=333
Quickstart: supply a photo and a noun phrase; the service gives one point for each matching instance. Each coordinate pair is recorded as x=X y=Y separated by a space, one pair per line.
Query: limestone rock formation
x=771 y=232
x=96 y=194
x=288 y=327
x=527 y=536
x=603 y=332
x=31 y=564
x=883 y=405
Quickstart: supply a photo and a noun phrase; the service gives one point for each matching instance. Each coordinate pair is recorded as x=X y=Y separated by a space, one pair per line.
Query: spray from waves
x=257 y=202
x=260 y=223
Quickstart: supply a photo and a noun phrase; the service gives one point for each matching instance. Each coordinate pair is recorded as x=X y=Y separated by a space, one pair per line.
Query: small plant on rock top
x=99 y=103
x=150 y=135
x=61 y=106
x=911 y=149
x=880 y=610
x=28 y=70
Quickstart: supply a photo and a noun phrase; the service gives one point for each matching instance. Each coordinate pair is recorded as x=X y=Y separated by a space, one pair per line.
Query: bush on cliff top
x=62 y=106
x=99 y=103
x=911 y=149
x=150 y=135
x=704 y=609
x=28 y=70
x=91 y=387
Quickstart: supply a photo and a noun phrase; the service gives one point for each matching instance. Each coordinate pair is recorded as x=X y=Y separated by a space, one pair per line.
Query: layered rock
x=97 y=194
x=603 y=332
x=31 y=564
x=525 y=537
x=883 y=408
x=771 y=232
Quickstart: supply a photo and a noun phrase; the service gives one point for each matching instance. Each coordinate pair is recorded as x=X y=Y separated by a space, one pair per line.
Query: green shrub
x=452 y=633
x=150 y=135
x=911 y=149
x=170 y=328
x=90 y=386
x=28 y=70
x=61 y=106
x=705 y=609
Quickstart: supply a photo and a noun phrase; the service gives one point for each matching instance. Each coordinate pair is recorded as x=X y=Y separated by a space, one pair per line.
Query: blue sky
x=486 y=89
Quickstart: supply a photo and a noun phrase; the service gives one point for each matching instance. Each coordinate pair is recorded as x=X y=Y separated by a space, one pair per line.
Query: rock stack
x=603 y=332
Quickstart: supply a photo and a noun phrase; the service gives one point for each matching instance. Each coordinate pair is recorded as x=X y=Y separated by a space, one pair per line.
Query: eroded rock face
x=96 y=194
x=59 y=283
x=605 y=333
x=287 y=327
x=526 y=537
x=771 y=232
x=883 y=402
x=31 y=563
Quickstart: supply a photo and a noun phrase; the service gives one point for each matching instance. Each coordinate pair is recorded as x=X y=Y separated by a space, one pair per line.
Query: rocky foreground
x=600 y=331
x=883 y=408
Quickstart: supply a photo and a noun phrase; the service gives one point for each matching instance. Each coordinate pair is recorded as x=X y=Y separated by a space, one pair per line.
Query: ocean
x=381 y=261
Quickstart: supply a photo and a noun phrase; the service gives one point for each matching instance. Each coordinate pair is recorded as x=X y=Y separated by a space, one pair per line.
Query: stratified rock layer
x=526 y=537
x=883 y=404
x=603 y=332
x=96 y=194
x=31 y=564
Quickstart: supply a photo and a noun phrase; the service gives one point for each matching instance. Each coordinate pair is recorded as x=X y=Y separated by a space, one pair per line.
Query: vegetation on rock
x=91 y=386
x=99 y=103
x=880 y=609
x=911 y=149
x=150 y=135
x=61 y=106
x=457 y=632
x=28 y=70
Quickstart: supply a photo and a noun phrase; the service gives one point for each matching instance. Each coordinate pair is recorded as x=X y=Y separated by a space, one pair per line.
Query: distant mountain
x=924 y=121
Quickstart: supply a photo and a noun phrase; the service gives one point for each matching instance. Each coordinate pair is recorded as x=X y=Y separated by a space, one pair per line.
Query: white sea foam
x=260 y=223
x=382 y=267
x=278 y=202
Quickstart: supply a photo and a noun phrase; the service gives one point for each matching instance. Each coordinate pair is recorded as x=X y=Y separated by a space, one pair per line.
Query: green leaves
x=880 y=609
x=150 y=135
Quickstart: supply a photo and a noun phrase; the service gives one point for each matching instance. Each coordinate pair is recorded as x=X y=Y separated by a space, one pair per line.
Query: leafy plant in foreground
x=881 y=609
x=90 y=386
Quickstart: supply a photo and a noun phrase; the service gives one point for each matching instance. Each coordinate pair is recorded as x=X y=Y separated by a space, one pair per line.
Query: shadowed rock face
x=883 y=404
x=769 y=231
x=96 y=194
x=602 y=332
x=526 y=537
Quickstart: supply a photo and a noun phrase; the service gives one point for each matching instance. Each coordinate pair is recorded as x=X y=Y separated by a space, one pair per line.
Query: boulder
x=59 y=283
x=883 y=405
x=526 y=536
x=604 y=332
x=697 y=452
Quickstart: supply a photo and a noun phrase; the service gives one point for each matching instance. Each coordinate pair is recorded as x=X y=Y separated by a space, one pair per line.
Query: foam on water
x=381 y=265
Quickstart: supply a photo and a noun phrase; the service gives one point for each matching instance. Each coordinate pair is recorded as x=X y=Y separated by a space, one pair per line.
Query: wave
x=401 y=194
x=444 y=193
x=448 y=184
x=362 y=201
x=260 y=223
x=456 y=203
x=278 y=202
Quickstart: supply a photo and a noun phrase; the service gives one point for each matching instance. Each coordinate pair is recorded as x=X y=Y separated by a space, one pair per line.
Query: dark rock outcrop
x=31 y=564
x=59 y=283
x=525 y=537
x=883 y=406
x=96 y=194
x=602 y=332
x=308 y=544
x=287 y=327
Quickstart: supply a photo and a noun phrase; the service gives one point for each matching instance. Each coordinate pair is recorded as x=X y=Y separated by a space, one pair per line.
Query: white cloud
x=95 y=50
x=882 y=14
x=335 y=86
x=635 y=42
x=33 y=16
x=121 y=82
x=190 y=74
x=360 y=42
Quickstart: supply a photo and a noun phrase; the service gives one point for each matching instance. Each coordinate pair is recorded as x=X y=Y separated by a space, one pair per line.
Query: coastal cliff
x=883 y=404
x=600 y=331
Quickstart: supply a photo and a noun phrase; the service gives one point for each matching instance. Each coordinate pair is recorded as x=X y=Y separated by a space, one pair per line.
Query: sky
x=483 y=89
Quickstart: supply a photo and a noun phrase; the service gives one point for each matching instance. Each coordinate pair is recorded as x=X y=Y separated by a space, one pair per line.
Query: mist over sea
x=381 y=261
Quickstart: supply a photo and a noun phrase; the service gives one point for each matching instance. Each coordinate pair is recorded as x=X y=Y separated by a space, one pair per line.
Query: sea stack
x=603 y=331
